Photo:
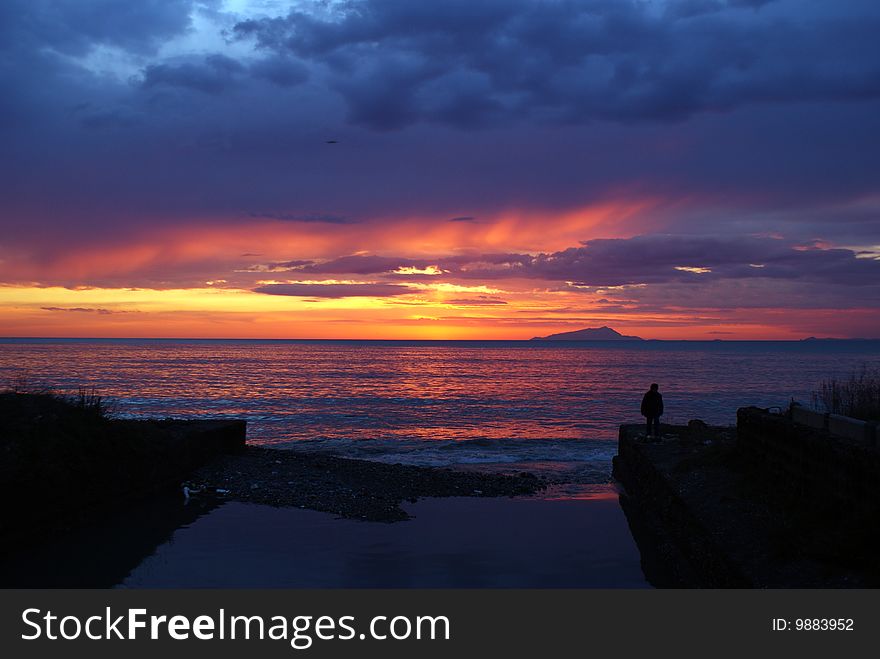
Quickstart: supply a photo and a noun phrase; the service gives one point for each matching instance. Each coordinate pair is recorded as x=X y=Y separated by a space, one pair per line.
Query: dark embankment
x=64 y=464
x=771 y=505
x=87 y=497
x=357 y=489
x=101 y=552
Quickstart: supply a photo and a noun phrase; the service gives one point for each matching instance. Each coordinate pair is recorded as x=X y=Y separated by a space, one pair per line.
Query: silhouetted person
x=652 y=408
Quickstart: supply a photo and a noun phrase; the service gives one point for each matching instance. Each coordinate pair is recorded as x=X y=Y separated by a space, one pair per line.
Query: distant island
x=589 y=334
x=834 y=338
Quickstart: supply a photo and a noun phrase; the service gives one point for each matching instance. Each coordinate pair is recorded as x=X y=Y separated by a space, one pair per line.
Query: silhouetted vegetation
x=86 y=400
x=857 y=397
x=62 y=457
x=90 y=402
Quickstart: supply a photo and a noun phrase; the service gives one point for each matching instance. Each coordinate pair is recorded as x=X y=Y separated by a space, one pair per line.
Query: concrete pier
x=709 y=507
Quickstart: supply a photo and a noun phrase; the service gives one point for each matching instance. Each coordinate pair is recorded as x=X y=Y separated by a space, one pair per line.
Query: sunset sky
x=695 y=169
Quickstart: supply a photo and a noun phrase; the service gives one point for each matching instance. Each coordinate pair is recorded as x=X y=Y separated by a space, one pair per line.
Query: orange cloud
x=430 y=314
x=208 y=248
x=198 y=280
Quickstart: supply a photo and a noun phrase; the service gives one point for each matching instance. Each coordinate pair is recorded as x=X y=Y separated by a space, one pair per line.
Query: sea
x=553 y=409
x=493 y=405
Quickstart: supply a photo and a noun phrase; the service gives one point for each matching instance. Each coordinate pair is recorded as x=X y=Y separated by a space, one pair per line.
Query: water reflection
x=449 y=543
x=353 y=391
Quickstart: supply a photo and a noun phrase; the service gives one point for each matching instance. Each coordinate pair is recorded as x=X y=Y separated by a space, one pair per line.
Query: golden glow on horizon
x=432 y=314
x=408 y=270
x=195 y=280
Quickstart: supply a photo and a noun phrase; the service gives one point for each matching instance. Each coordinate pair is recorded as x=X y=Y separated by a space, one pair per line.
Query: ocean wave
x=450 y=453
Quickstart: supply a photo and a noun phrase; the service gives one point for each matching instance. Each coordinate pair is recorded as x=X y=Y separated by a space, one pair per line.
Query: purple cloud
x=211 y=75
x=320 y=218
x=365 y=265
x=653 y=259
x=644 y=259
x=480 y=300
x=737 y=116
x=335 y=291
x=467 y=64
x=100 y=311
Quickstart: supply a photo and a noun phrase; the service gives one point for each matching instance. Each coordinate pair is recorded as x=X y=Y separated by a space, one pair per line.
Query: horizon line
x=539 y=340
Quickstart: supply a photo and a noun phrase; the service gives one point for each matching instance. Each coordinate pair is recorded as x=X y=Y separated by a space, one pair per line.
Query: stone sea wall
x=823 y=460
x=782 y=501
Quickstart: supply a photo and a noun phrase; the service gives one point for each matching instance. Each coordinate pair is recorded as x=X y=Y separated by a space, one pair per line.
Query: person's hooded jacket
x=652 y=404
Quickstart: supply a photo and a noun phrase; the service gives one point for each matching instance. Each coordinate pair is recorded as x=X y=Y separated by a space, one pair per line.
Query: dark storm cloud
x=75 y=27
x=103 y=119
x=364 y=265
x=645 y=259
x=464 y=63
x=688 y=8
x=656 y=259
x=212 y=75
x=335 y=291
x=283 y=71
x=359 y=264
x=95 y=160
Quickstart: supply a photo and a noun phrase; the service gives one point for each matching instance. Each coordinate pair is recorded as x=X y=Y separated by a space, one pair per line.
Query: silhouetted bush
x=62 y=459
x=91 y=403
x=857 y=397
x=87 y=401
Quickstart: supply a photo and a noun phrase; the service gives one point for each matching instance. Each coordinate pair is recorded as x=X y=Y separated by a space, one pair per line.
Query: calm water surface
x=552 y=409
x=414 y=402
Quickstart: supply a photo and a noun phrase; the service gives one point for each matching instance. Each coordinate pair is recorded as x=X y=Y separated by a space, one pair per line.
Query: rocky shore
x=66 y=463
x=358 y=489
x=91 y=496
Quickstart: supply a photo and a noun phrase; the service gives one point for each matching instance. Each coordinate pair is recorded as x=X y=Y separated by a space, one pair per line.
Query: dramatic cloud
x=672 y=161
x=75 y=27
x=278 y=266
x=645 y=259
x=464 y=63
x=364 y=265
x=660 y=259
x=139 y=115
x=480 y=300
x=100 y=311
x=360 y=264
x=283 y=71
x=335 y=290
x=210 y=76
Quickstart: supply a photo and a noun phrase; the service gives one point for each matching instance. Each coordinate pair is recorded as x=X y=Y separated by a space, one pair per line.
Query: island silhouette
x=589 y=334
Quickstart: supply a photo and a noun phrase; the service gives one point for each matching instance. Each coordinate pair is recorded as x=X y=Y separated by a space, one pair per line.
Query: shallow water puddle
x=567 y=539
